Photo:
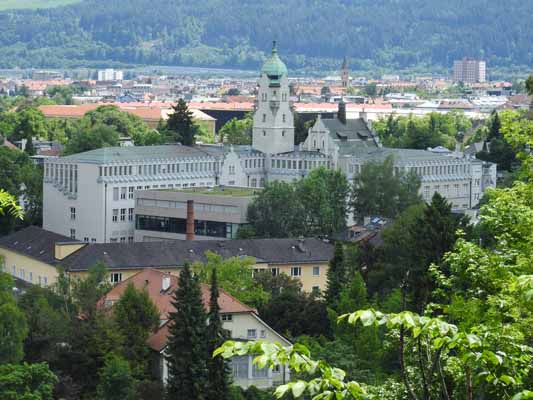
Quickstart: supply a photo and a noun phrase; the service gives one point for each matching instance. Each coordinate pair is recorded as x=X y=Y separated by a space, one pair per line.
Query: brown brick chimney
x=189 y=233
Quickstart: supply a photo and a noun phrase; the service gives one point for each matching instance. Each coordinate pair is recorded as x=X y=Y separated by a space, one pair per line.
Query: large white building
x=90 y=196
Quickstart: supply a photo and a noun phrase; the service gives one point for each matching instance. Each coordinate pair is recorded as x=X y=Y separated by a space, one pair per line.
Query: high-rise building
x=110 y=74
x=469 y=70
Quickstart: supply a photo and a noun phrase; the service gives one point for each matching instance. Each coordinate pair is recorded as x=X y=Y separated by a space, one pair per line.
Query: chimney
x=189 y=235
x=341 y=114
x=165 y=284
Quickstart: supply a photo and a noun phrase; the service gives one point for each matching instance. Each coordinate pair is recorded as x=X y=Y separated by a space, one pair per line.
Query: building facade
x=35 y=256
x=239 y=320
x=469 y=70
x=218 y=213
x=91 y=196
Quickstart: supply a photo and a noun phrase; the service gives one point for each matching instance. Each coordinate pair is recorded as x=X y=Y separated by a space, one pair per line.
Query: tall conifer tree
x=180 y=124
x=216 y=335
x=336 y=276
x=187 y=350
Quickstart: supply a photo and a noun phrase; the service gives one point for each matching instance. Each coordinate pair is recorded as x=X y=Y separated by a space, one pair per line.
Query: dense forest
x=312 y=34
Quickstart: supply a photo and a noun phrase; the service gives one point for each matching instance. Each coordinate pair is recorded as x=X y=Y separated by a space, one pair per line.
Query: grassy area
x=32 y=4
x=224 y=191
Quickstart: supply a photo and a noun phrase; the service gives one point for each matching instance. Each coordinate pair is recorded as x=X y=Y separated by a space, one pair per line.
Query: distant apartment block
x=110 y=74
x=469 y=70
x=46 y=75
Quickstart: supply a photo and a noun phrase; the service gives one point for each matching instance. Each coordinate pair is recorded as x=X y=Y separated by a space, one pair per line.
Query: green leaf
x=367 y=317
x=298 y=388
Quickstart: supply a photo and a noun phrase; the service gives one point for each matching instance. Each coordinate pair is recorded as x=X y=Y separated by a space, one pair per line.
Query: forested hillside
x=236 y=33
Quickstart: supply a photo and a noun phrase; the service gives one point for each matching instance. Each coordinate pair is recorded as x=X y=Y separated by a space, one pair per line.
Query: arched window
x=282 y=133
x=264 y=133
x=323 y=145
x=264 y=117
x=314 y=144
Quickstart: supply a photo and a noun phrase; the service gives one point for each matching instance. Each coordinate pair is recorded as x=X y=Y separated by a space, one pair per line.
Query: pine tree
x=136 y=317
x=335 y=277
x=216 y=335
x=180 y=125
x=187 y=350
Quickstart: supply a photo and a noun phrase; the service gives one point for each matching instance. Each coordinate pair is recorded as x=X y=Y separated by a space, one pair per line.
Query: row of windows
x=179 y=225
x=121 y=193
x=283 y=118
x=254 y=163
x=66 y=175
x=298 y=164
x=295 y=271
x=423 y=171
x=121 y=239
x=122 y=213
x=153 y=169
x=27 y=276
x=264 y=96
x=213 y=208
x=445 y=190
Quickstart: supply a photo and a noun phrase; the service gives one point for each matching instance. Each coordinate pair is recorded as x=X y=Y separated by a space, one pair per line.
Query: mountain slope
x=235 y=33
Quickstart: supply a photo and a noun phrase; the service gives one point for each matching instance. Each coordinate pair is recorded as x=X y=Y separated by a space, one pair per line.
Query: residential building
x=35 y=255
x=101 y=184
x=469 y=70
x=218 y=212
x=241 y=321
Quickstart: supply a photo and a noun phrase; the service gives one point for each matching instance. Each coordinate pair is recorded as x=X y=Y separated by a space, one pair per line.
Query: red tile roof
x=152 y=280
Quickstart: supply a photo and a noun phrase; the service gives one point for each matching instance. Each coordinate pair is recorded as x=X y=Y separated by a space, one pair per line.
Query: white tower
x=273 y=130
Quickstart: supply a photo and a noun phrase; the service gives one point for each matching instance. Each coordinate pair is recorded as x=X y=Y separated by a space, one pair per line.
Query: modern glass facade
x=179 y=225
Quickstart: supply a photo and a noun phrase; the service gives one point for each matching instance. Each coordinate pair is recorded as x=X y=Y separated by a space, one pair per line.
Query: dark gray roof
x=177 y=253
x=352 y=129
x=34 y=242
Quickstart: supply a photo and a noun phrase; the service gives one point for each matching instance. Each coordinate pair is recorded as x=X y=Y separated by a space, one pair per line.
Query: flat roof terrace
x=220 y=191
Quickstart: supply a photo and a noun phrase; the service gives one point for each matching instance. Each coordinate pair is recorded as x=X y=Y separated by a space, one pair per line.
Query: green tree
x=136 y=318
x=217 y=368
x=116 y=379
x=26 y=381
x=377 y=190
x=237 y=131
x=186 y=352
x=336 y=276
x=234 y=275
x=500 y=151
x=48 y=324
x=276 y=211
x=180 y=126
x=13 y=327
x=95 y=137
x=30 y=124
x=323 y=195
x=529 y=85
x=87 y=291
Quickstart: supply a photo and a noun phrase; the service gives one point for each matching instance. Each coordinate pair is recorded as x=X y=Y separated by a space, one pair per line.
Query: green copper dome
x=273 y=66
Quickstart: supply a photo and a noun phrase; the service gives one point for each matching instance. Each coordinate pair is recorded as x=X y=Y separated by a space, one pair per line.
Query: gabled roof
x=151 y=280
x=34 y=242
x=141 y=255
